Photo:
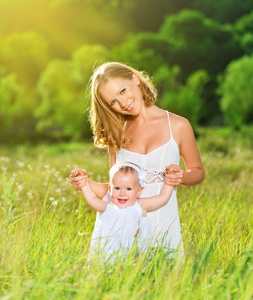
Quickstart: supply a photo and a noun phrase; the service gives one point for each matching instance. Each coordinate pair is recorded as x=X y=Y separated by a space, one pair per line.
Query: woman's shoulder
x=179 y=122
x=181 y=129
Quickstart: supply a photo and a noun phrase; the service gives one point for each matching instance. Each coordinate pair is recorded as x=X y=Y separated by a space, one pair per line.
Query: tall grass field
x=46 y=226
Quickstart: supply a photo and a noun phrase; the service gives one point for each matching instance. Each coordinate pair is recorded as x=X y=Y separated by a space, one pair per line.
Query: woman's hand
x=78 y=178
x=174 y=175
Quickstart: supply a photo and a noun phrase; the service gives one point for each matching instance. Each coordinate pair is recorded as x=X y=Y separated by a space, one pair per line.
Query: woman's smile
x=131 y=107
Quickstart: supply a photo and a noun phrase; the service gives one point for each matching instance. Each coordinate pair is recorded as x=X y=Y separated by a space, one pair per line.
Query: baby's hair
x=122 y=169
x=108 y=125
x=126 y=167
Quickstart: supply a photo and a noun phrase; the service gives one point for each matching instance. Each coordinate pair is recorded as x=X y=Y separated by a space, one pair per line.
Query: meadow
x=45 y=227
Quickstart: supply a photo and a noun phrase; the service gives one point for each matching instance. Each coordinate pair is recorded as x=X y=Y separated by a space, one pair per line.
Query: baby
x=123 y=218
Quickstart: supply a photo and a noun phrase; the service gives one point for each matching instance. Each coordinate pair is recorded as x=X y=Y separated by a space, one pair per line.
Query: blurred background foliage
x=199 y=54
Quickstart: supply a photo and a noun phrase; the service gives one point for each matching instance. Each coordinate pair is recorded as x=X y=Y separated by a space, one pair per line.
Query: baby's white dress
x=165 y=223
x=116 y=229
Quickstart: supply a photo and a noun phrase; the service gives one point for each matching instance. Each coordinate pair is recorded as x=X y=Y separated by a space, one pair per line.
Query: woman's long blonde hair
x=108 y=125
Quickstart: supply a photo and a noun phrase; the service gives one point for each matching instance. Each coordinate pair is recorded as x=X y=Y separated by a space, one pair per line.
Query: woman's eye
x=122 y=91
x=113 y=102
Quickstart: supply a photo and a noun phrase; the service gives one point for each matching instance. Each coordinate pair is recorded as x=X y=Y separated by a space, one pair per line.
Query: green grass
x=45 y=228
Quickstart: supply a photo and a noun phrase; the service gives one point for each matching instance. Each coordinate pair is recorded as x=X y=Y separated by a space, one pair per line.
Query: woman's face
x=123 y=95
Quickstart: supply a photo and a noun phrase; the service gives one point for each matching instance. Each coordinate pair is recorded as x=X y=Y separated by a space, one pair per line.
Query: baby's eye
x=113 y=102
x=122 y=91
x=129 y=189
x=117 y=188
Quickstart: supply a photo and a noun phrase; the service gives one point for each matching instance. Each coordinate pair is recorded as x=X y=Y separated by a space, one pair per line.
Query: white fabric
x=165 y=221
x=116 y=229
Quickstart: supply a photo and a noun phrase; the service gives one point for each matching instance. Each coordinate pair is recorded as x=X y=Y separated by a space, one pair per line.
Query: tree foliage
x=185 y=100
x=223 y=11
x=198 y=42
x=144 y=50
x=16 y=107
x=26 y=54
x=61 y=89
x=237 y=93
x=244 y=32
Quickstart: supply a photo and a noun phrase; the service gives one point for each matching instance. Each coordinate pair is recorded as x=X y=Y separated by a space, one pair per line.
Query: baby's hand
x=78 y=178
x=172 y=168
x=174 y=175
x=77 y=172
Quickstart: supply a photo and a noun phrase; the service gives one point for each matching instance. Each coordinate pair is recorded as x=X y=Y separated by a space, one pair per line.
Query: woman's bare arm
x=184 y=137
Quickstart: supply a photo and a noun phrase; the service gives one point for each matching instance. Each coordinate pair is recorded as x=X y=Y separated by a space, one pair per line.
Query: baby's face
x=125 y=189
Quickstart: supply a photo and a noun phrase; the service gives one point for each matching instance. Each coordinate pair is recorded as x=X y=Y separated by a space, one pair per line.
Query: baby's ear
x=139 y=192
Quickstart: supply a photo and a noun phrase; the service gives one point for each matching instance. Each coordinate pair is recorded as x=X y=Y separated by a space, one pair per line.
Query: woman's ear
x=136 y=78
x=109 y=188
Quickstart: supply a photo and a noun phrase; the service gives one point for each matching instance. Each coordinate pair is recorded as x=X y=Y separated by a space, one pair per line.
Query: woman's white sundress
x=165 y=223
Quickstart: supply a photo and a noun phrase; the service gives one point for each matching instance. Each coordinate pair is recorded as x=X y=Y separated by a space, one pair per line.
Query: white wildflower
x=20 y=163
x=4 y=159
x=82 y=233
x=30 y=168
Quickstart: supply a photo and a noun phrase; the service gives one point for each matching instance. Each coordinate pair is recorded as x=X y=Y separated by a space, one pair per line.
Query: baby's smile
x=122 y=201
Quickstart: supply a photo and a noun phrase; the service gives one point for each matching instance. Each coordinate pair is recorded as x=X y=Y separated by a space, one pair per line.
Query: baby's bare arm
x=78 y=178
x=87 y=190
x=155 y=202
x=93 y=200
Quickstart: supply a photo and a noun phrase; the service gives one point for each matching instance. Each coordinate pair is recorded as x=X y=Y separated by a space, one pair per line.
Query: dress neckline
x=171 y=138
x=158 y=148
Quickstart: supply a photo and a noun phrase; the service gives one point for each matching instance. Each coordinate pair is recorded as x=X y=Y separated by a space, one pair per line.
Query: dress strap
x=171 y=135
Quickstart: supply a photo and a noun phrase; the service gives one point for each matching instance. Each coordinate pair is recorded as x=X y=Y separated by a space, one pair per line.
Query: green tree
x=185 y=100
x=223 y=10
x=244 y=32
x=145 y=50
x=87 y=57
x=26 y=54
x=199 y=43
x=237 y=93
x=16 y=107
x=62 y=109
x=149 y=15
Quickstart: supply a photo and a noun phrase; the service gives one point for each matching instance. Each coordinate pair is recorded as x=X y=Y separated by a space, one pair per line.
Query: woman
x=124 y=118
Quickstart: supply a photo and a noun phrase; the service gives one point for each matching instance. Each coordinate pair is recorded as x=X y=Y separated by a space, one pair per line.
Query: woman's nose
x=122 y=103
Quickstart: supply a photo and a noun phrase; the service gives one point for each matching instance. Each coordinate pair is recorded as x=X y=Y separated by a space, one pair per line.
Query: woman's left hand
x=174 y=175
